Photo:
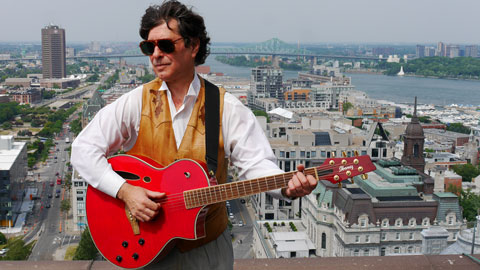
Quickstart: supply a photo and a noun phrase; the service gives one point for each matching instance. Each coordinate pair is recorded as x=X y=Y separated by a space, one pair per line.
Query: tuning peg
x=339 y=185
x=351 y=180
x=364 y=176
x=333 y=154
x=355 y=153
x=344 y=154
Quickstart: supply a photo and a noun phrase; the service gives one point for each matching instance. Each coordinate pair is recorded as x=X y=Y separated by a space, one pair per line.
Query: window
x=382 y=251
x=357 y=239
x=80 y=192
x=397 y=236
x=302 y=154
x=324 y=240
x=385 y=152
x=396 y=250
x=411 y=222
x=80 y=184
x=364 y=152
x=367 y=238
x=366 y=252
x=374 y=152
x=282 y=153
x=384 y=236
x=398 y=222
x=292 y=154
x=75 y=184
x=323 y=154
x=425 y=221
x=79 y=198
x=314 y=154
x=385 y=223
x=356 y=252
x=411 y=236
x=410 y=249
x=308 y=154
x=324 y=218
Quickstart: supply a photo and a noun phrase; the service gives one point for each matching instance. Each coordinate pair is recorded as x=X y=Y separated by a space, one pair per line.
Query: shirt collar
x=193 y=89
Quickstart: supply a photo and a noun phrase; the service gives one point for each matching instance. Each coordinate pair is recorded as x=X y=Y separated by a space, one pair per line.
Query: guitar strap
x=212 y=126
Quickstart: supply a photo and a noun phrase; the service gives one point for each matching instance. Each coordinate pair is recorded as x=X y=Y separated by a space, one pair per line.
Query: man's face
x=180 y=63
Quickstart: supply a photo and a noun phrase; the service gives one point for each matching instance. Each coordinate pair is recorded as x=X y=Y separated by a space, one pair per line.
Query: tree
x=65 y=205
x=470 y=203
x=3 y=239
x=467 y=171
x=86 y=249
x=347 y=106
x=458 y=127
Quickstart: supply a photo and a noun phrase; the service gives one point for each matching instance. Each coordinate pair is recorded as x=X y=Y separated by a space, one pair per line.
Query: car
x=231 y=216
x=57 y=174
x=52 y=184
x=49 y=195
x=3 y=251
x=240 y=223
x=55 y=157
x=47 y=206
x=57 y=195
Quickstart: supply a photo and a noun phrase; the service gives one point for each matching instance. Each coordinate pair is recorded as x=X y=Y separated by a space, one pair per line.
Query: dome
x=414 y=129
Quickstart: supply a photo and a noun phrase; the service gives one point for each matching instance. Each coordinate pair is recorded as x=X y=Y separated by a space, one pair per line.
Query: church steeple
x=413 y=140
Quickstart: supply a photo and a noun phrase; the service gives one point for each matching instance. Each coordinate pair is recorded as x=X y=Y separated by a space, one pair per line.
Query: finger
x=154 y=194
x=312 y=182
x=300 y=167
x=149 y=212
x=298 y=185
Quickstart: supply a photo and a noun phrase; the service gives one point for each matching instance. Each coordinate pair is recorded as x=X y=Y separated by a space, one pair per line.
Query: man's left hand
x=300 y=184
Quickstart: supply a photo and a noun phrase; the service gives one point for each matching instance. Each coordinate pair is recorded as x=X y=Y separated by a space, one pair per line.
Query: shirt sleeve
x=246 y=143
x=114 y=126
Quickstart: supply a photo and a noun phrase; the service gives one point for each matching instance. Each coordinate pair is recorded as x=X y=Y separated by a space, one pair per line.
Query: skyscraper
x=53 y=52
x=420 y=52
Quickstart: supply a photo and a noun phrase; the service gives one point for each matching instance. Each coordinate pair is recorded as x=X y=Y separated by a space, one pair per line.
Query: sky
x=304 y=21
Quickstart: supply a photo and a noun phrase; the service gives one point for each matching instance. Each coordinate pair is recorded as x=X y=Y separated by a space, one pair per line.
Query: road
x=242 y=235
x=50 y=222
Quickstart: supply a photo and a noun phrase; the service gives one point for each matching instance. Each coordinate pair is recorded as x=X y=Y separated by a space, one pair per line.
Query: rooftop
x=418 y=262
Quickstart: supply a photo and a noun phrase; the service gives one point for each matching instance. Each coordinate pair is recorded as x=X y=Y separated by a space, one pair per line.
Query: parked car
x=57 y=195
x=3 y=251
x=49 y=195
x=47 y=206
x=52 y=184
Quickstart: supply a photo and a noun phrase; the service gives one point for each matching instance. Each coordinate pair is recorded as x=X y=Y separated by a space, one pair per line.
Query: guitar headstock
x=343 y=168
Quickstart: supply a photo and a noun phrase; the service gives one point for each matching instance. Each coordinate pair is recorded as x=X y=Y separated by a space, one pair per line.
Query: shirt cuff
x=110 y=182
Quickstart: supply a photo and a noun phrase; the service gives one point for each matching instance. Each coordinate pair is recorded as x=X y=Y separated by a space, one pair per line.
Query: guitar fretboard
x=220 y=193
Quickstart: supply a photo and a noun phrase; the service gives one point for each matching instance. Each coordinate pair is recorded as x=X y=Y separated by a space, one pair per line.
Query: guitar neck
x=220 y=193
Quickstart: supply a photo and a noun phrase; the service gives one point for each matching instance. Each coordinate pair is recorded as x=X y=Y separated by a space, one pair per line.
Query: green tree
x=86 y=249
x=3 y=239
x=65 y=205
x=347 y=106
x=470 y=203
x=458 y=127
x=467 y=171
x=18 y=251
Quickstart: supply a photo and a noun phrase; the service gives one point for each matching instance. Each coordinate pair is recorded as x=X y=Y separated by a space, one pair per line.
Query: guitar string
x=267 y=178
x=202 y=198
x=179 y=203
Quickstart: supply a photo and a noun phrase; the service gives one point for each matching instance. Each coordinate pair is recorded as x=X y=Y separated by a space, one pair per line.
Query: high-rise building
x=266 y=82
x=452 y=51
x=429 y=51
x=441 y=49
x=53 y=52
x=420 y=52
x=471 y=51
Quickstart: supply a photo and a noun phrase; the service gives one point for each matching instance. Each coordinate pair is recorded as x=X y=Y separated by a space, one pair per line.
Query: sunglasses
x=165 y=45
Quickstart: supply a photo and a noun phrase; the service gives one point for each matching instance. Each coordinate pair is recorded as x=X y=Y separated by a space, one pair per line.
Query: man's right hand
x=140 y=201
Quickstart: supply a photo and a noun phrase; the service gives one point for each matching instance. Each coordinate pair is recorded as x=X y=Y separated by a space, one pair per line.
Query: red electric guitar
x=128 y=243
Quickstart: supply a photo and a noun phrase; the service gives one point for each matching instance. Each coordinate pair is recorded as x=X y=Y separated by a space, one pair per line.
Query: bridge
x=273 y=47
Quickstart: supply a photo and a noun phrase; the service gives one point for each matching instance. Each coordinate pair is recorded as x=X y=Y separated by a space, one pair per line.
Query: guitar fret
x=231 y=190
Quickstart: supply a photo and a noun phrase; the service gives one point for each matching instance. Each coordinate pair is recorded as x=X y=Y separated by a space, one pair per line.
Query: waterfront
x=392 y=88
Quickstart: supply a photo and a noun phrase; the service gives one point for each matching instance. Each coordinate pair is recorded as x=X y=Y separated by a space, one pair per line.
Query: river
x=392 y=88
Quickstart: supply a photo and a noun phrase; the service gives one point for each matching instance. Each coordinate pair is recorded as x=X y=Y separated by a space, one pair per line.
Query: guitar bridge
x=133 y=222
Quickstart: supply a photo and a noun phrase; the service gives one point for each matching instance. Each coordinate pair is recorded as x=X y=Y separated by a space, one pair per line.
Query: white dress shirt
x=117 y=125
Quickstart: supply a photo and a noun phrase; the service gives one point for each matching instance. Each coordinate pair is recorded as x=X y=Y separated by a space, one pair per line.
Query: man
x=164 y=120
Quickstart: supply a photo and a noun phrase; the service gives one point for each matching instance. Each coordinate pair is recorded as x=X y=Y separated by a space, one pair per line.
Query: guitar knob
x=119 y=258
x=141 y=241
x=135 y=256
x=124 y=244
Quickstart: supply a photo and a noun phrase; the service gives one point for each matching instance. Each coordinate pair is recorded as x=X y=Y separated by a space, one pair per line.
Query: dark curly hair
x=190 y=25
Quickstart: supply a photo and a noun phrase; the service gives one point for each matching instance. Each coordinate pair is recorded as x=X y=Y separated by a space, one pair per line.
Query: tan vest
x=156 y=140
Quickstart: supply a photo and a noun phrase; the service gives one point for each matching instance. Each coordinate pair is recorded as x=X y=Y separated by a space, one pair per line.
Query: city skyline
x=344 y=21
